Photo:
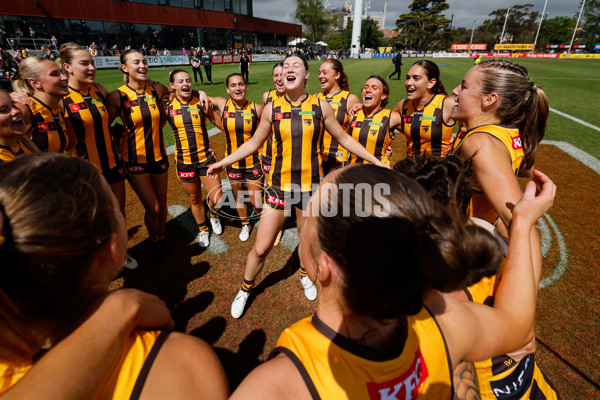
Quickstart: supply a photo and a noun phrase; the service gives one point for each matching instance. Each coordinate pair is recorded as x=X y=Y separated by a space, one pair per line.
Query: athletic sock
x=212 y=215
x=203 y=227
x=302 y=272
x=247 y=285
x=245 y=222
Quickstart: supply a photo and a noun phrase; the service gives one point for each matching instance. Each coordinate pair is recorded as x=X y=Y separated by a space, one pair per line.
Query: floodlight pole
x=503 y=28
x=356 y=28
x=539 y=26
x=472 y=32
x=575 y=30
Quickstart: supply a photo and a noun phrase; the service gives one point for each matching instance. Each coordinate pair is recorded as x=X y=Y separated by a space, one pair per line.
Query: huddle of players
x=86 y=132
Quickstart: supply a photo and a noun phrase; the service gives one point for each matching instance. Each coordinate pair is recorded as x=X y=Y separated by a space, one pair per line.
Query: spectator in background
x=32 y=33
x=116 y=50
x=7 y=73
x=184 y=51
x=397 y=60
x=48 y=54
x=245 y=66
x=207 y=62
x=166 y=52
x=54 y=42
x=105 y=51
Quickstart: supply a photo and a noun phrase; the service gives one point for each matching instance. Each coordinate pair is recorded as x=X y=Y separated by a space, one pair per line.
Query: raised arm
x=347 y=141
x=251 y=146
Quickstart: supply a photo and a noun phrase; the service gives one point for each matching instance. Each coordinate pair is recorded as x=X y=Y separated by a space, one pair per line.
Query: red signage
x=479 y=46
x=226 y=58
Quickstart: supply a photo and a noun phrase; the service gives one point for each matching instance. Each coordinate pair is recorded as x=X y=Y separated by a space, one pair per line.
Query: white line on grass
x=563 y=259
x=579 y=121
x=578 y=154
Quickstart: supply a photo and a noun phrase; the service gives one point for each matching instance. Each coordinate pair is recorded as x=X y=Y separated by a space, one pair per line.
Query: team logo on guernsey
x=307 y=122
x=406 y=386
x=373 y=132
x=131 y=103
x=152 y=106
x=228 y=114
x=425 y=128
x=516 y=143
x=76 y=107
x=285 y=115
x=46 y=126
x=356 y=124
x=407 y=119
x=176 y=112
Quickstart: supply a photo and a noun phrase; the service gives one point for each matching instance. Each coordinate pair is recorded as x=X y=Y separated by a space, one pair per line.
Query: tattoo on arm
x=466 y=385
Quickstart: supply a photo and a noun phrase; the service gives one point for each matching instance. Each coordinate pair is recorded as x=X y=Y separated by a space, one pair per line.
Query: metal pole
x=575 y=30
x=539 y=26
x=472 y=32
x=449 y=29
x=356 y=29
x=503 y=28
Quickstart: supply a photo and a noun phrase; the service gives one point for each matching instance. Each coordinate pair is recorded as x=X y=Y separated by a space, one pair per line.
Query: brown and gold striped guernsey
x=141 y=115
x=239 y=125
x=10 y=153
x=188 y=121
x=373 y=132
x=425 y=129
x=297 y=130
x=267 y=150
x=88 y=115
x=48 y=128
x=339 y=102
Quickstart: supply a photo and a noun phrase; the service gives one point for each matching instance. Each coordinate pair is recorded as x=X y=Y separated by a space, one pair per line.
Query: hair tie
x=531 y=85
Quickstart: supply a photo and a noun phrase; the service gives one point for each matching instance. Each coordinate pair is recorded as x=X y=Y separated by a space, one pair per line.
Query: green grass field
x=571 y=86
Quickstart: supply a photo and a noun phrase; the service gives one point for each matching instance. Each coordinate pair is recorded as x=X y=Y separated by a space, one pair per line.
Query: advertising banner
x=153 y=61
x=478 y=46
x=515 y=46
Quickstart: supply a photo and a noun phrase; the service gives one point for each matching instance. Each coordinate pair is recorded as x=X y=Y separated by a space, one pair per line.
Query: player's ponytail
x=29 y=68
x=533 y=127
x=338 y=67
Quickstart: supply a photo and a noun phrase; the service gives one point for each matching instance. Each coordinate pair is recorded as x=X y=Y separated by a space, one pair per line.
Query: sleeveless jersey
x=425 y=129
x=120 y=382
x=502 y=378
x=141 y=115
x=334 y=367
x=480 y=206
x=297 y=130
x=189 y=130
x=88 y=115
x=267 y=150
x=239 y=125
x=339 y=102
x=373 y=132
x=48 y=128
x=10 y=153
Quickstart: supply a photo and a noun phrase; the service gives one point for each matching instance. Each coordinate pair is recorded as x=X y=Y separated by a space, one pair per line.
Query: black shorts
x=116 y=174
x=330 y=163
x=281 y=201
x=249 y=174
x=154 y=168
x=191 y=172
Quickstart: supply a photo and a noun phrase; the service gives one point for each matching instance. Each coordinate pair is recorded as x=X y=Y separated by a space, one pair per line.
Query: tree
x=423 y=27
x=591 y=24
x=557 y=30
x=370 y=36
x=314 y=17
x=521 y=25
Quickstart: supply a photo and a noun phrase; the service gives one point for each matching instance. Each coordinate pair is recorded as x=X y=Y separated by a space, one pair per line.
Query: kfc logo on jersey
x=356 y=124
x=517 y=143
x=407 y=119
x=74 y=107
x=187 y=175
x=43 y=127
x=285 y=115
x=176 y=112
x=127 y=104
x=234 y=175
x=406 y=386
x=227 y=114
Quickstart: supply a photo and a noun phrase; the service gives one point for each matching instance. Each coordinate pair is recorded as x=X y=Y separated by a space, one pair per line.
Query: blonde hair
x=66 y=54
x=123 y=58
x=529 y=113
x=29 y=68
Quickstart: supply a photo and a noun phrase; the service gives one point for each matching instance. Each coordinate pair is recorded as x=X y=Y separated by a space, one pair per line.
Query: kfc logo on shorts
x=266 y=168
x=187 y=175
x=516 y=143
x=234 y=175
x=406 y=386
x=275 y=201
x=135 y=168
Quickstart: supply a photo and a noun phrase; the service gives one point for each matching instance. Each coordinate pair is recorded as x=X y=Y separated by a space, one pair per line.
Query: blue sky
x=465 y=11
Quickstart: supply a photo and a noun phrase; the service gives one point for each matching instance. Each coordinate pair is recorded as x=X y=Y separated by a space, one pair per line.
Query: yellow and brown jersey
x=126 y=378
x=373 y=133
x=48 y=128
x=480 y=206
x=297 y=130
x=501 y=377
x=88 y=115
x=188 y=121
x=339 y=102
x=425 y=129
x=335 y=367
x=267 y=150
x=239 y=124
x=141 y=114
x=10 y=153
